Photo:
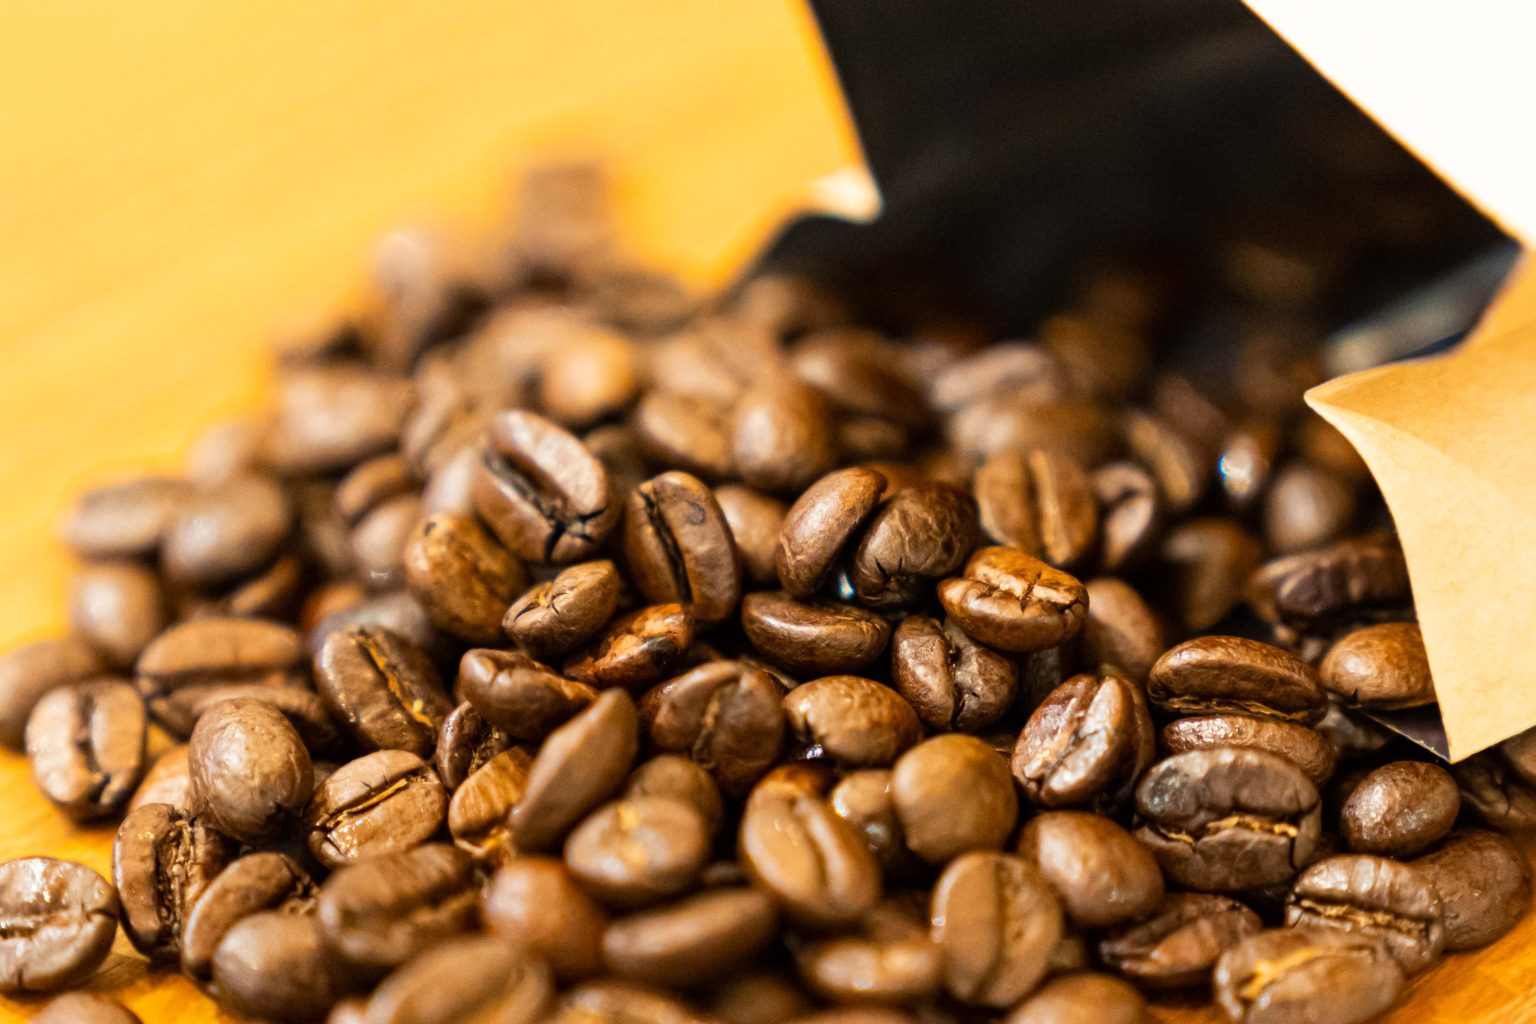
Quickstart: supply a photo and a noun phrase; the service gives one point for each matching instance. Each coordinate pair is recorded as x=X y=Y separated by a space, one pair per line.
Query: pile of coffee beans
x=561 y=647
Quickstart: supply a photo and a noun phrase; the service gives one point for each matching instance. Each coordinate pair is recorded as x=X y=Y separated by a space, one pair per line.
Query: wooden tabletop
x=181 y=177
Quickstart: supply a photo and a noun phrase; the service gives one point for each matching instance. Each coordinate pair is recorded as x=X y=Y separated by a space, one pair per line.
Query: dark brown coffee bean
x=1484 y=885
x=273 y=966
x=1399 y=809
x=952 y=682
x=218 y=652
x=915 y=537
x=1307 y=507
x=691 y=432
x=467 y=979
x=810 y=637
x=811 y=861
x=168 y=781
x=1295 y=974
x=676 y=777
x=1040 y=503
x=330 y=418
x=1228 y=674
x=466 y=742
x=387 y=801
x=1306 y=748
x=480 y=813
x=558 y=616
x=1177 y=945
x=1177 y=463
x=30 y=671
x=679 y=547
x=755 y=521
x=162 y=861
x=256 y=882
x=1378 y=897
x=854 y=721
x=226 y=532
x=1091 y=736
x=1014 y=602
x=533 y=902
x=579 y=766
x=860 y=373
x=1496 y=792
x=636 y=649
x=1339 y=583
x=590 y=378
x=85 y=742
x=996 y=921
x=179 y=711
x=383 y=688
x=1121 y=630
x=541 y=491
x=864 y=800
x=518 y=696
x=889 y=959
x=462 y=575
x=1101 y=873
x=1081 y=429
x=727 y=716
x=125 y=520
x=1131 y=514
x=371 y=484
x=953 y=794
x=1203 y=565
x=397 y=611
x=822 y=524
x=1382 y=666
x=692 y=940
x=117 y=608
x=84 y=1008
x=378 y=913
x=757 y=997
x=60 y=919
x=782 y=436
x=1020 y=368
x=1228 y=819
x=250 y=772
x=1081 y=999
x=638 y=850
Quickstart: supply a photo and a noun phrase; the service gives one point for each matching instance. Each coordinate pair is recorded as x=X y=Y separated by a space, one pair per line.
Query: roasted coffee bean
x=117 y=608
x=467 y=979
x=1039 y=502
x=1014 y=602
x=1375 y=896
x=1202 y=566
x=676 y=777
x=560 y=615
x=1020 y=368
x=1091 y=736
x=466 y=742
x=1082 y=429
x=1228 y=674
x=636 y=649
x=951 y=681
x=1228 y=818
x=822 y=524
x=1131 y=514
x=916 y=537
x=810 y=637
x=383 y=688
x=1399 y=809
x=351 y=1010
x=782 y=436
x=387 y=801
x=855 y=722
x=225 y=532
x=218 y=652
x=1381 y=667
x=1307 y=507
x=180 y=710
x=1496 y=792
x=256 y=882
x=329 y=418
x=1179 y=466
x=678 y=547
x=579 y=766
x=60 y=918
x=541 y=491
x=589 y=379
x=1306 y=748
x=83 y=1008
x=861 y=374
x=29 y=672
x=1296 y=974
x=1342 y=582
x=273 y=966
x=693 y=940
x=1082 y=998
x=1178 y=944
x=1101 y=873
x=811 y=861
x=757 y=997
x=162 y=861
x=1246 y=461
x=517 y=695
x=462 y=575
x=996 y=920
x=535 y=904
x=1484 y=885
x=397 y=611
x=85 y=742
x=953 y=794
x=638 y=850
x=864 y=800
x=378 y=913
x=755 y=521
x=691 y=432
x=168 y=781
x=890 y=959
x=1121 y=630
x=725 y=715
x=250 y=772
x=371 y=484
x=480 y=813
x=125 y=520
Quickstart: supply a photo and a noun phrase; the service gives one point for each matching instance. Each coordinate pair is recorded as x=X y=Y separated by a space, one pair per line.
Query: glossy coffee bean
x=1014 y=602
x=534 y=903
x=1040 y=502
x=30 y=671
x=227 y=531
x=1090 y=737
x=466 y=742
x=821 y=525
x=1484 y=885
x=214 y=652
x=1177 y=944
x=480 y=813
x=378 y=913
x=60 y=919
x=755 y=521
x=810 y=637
x=250 y=885
x=1382 y=666
x=168 y=781
x=1375 y=896
x=756 y=997
x=249 y=770
x=864 y=800
x=853 y=721
x=915 y=537
x=579 y=766
x=383 y=688
x=678 y=547
x=273 y=966
x=782 y=436
x=676 y=777
x=83 y=1008
x=636 y=649
x=124 y=520
x=1307 y=507
x=518 y=696
x=1202 y=566
x=1081 y=999
x=463 y=576
x=383 y=802
x=1339 y=583
x=951 y=681
x=812 y=862
x=996 y=920
x=557 y=616
x=638 y=850
x=692 y=940
x=1292 y=974
x=1228 y=674
x=953 y=794
x=467 y=979
x=889 y=959
x=1399 y=809
x=1306 y=748
x=1101 y=873
x=1121 y=629
x=162 y=861
x=85 y=742
x=1131 y=514
x=117 y=608
x=727 y=716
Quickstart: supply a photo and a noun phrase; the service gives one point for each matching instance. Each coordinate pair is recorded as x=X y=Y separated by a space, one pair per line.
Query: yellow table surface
x=177 y=178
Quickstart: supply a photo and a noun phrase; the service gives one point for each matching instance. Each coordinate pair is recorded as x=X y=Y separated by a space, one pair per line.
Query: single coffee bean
x=916 y=537
x=1306 y=748
x=725 y=715
x=462 y=575
x=518 y=696
x=378 y=913
x=30 y=671
x=480 y=813
x=1381 y=666
x=383 y=688
x=589 y=379
x=1082 y=429
x=1228 y=674
x=466 y=979
x=692 y=940
x=162 y=861
x=225 y=532
x=331 y=417
x=890 y=959
x=535 y=904
x=864 y=800
x=1519 y=752
x=168 y=781
x=1295 y=974
x=560 y=615
x=1024 y=369
x=953 y=794
x=541 y=491
x=811 y=861
x=1131 y=514
x=1121 y=630
x=823 y=523
x=782 y=436
x=250 y=772
x=1015 y=602
x=1177 y=463
x=1307 y=507
x=83 y=1008
x=1178 y=944
x=854 y=721
x=1496 y=792
x=218 y=652
x=861 y=374
x=383 y=802
x=679 y=547
x=1101 y=873
x=179 y=711
x=60 y=919
x=1399 y=809
x=272 y=965
x=1202 y=566
x=579 y=766
x=1228 y=818
x=1039 y=502
x=636 y=649
x=811 y=637
x=951 y=681
x=1484 y=885
x=676 y=777
x=638 y=850
x=1081 y=998
x=256 y=882
x=397 y=611
x=1091 y=736
x=1339 y=583
x=757 y=997
x=117 y=608
x=371 y=484
x=687 y=431
x=466 y=742
x=996 y=920
x=85 y=742
x=755 y=521
x=1375 y=896
x=125 y=520
x=1246 y=461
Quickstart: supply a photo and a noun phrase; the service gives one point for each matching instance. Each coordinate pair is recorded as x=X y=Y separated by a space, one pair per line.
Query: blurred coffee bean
x=124 y=520
x=1335 y=584
x=808 y=859
x=1131 y=514
x=782 y=436
x=755 y=521
x=465 y=979
x=889 y=959
x=273 y=965
x=996 y=920
x=1204 y=564
x=1178 y=944
x=1081 y=998
x=727 y=716
x=1101 y=873
x=1039 y=502
x=29 y=672
x=638 y=850
x=378 y=913
x=534 y=903
x=580 y=765
x=250 y=885
x=1289 y=974
x=1121 y=629
x=953 y=794
x=117 y=608
x=692 y=940
x=1484 y=885
x=1306 y=507
x=228 y=531
x=83 y=1008
x=462 y=575
x=822 y=525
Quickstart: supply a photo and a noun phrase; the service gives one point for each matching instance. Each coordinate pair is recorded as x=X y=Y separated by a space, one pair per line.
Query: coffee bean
x=560 y=615
x=725 y=715
x=636 y=649
x=589 y=379
x=1203 y=566
x=371 y=484
x=1177 y=463
x=1496 y=793
x=1341 y=582
x=687 y=431
x=386 y=801
x=811 y=861
x=638 y=850
x=678 y=778
x=952 y=682
x=117 y=608
x=250 y=772
x=30 y=671
x=692 y=940
x=1399 y=809
x=534 y=903
x=60 y=919
x=1039 y=502
x=996 y=921
x=812 y=637
x=124 y=520
x=1014 y=602
x=1020 y=368
x=330 y=418
x=272 y=965
x=162 y=861
x=1102 y=875
x=782 y=436
x=953 y=794
x=1121 y=630
x=1131 y=514
x=256 y=882
x=81 y=1008
x=1382 y=666
x=1306 y=748
x=1081 y=999
x=462 y=575
x=517 y=695
x=226 y=532
x=1178 y=944
x=822 y=524
x=472 y=978
x=218 y=652
x=85 y=742
x=580 y=765
x=864 y=800
x=480 y=813
x=1228 y=674
x=755 y=521
x=397 y=611
x=915 y=537
x=1091 y=736
x=179 y=711
x=383 y=688
x=466 y=742
x=168 y=781
x=1291 y=974
x=854 y=721
x=378 y=913
x=757 y=997
x=889 y=959
x=1382 y=898
x=678 y=547
x=1307 y=507
x=1081 y=429
x=1484 y=885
